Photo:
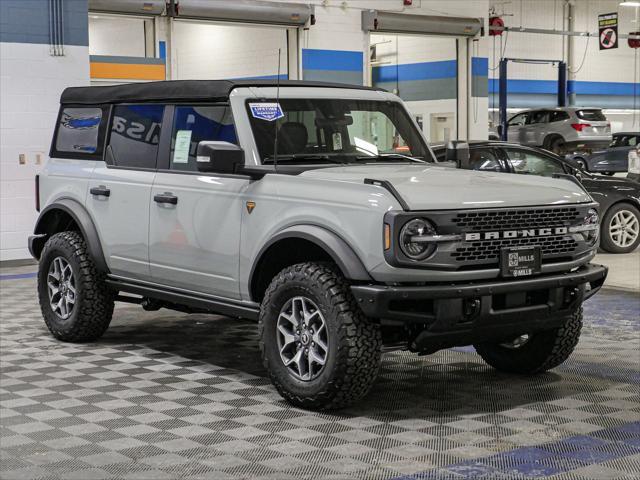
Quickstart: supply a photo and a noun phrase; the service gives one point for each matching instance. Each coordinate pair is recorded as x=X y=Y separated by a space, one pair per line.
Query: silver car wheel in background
x=62 y=287
x=302 y=338
x=624 y=228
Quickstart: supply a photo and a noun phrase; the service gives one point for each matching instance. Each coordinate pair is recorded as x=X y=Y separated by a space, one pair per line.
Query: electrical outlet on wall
x=22 y=159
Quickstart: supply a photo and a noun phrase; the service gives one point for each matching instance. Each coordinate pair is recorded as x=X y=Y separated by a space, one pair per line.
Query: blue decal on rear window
x=266 y=111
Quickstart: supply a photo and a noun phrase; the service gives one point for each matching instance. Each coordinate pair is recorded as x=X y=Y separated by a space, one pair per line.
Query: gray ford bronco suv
x=317 y=209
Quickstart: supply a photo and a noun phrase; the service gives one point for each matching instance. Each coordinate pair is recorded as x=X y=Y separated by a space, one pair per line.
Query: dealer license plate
x=520 y=261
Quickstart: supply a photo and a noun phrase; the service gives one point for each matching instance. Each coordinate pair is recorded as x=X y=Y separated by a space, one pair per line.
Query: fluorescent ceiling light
x=629 y=4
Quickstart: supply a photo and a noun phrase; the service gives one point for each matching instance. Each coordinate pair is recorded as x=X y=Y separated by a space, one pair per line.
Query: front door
x=120 y=188
x=195 y=217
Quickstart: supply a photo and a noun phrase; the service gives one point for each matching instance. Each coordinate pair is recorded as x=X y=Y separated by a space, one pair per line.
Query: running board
x=192 y=300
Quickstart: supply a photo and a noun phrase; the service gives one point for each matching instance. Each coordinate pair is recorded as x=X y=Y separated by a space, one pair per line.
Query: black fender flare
x=339 y=250
x=85 y=223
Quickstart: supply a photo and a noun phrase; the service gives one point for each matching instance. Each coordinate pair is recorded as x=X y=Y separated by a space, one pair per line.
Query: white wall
x=30 y=86
x=120 y=36
x=204 y=50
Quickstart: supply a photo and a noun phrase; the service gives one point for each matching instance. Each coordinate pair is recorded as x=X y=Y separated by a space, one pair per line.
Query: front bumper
x=461 y=314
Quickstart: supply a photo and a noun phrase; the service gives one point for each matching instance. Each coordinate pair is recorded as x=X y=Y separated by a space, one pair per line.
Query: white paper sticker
x=337 y=141
x=182 y=146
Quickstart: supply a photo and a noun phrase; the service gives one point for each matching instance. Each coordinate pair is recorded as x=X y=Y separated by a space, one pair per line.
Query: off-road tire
x=606 y=242
x=91 y=314
x=544 y=350
x=354 y=341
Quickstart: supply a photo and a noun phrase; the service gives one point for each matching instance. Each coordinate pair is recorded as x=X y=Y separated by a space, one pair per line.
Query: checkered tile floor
x=166 y=396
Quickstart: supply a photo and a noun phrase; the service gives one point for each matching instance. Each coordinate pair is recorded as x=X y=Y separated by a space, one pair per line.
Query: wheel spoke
x=302 y=338
x=61 y=287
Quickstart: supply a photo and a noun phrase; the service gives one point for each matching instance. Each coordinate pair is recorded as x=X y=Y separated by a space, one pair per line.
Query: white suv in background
x=561 y=130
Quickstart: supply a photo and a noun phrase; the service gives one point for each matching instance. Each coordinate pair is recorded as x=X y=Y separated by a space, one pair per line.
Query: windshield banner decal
x=266 y=111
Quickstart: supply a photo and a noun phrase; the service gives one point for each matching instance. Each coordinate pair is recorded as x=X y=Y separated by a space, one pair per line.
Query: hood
x=428 y=187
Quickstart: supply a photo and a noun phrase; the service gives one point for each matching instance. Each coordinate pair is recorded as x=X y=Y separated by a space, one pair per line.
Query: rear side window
x=591 y=115
x=193 y=124
x=80 y=132
x=558 y=116
x=134 y=137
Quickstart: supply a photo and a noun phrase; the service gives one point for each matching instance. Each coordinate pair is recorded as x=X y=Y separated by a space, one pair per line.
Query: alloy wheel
x=624 y=228
x=302 y=338
x=62 y=287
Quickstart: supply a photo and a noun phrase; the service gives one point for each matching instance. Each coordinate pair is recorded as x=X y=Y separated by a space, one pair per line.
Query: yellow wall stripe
x=128 y=71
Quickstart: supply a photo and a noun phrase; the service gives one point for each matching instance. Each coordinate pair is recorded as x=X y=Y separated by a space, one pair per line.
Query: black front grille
x=495 y=220
x=489 y=250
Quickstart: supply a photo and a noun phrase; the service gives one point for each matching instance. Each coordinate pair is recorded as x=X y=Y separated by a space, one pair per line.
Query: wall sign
x=608 y=29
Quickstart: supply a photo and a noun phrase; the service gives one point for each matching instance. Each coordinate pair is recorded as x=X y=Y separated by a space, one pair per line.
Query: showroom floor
x=166 y=395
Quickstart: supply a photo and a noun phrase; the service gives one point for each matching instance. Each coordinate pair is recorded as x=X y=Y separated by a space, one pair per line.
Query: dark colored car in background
x=611 y=160
x=619 y=198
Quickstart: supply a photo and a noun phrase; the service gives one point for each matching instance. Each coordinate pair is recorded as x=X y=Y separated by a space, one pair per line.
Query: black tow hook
x=470 y=308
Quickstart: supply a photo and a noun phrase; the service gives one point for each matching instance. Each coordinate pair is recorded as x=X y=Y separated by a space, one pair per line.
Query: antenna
x=275 y=138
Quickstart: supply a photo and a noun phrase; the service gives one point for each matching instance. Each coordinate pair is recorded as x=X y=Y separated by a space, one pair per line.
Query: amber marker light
x=387 y=236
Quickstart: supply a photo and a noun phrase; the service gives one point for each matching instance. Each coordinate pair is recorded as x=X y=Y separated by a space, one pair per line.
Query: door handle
x=166 y=197
x=101 y=191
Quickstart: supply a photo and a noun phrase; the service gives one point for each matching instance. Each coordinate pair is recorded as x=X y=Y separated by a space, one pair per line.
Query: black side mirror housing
x=219 y=157
x=499 y=130
x=458 y=151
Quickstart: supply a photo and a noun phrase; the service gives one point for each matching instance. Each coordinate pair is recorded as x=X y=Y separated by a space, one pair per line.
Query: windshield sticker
x=266 y=111
x=182 y=146
x=337 y=141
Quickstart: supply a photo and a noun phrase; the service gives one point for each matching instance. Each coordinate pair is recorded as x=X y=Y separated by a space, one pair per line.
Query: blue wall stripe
x=28 y=22
x=574 y=87
x=162 y=49
x=283 y=76
x=480 y=66
x=346 y=60
x=19 y=276
x=415 y=71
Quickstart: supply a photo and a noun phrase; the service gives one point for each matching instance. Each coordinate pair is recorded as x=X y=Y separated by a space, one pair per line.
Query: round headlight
x=410 y=243
x=591 y=221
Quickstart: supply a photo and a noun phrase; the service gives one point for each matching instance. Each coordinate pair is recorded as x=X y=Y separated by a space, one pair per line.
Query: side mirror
x=458 y=151
x=219 y=157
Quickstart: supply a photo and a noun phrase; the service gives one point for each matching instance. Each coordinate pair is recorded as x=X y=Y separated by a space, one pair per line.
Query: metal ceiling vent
x=399 y=23
x=243 y=11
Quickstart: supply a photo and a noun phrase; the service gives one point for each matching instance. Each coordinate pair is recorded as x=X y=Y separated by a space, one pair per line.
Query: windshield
x=335 y=131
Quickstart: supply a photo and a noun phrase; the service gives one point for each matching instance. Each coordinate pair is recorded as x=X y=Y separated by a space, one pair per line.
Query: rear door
x=120 y=187
x=537 y=127
x=195 y=217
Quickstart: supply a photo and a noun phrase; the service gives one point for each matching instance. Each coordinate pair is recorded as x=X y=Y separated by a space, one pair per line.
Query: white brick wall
x=30 y=85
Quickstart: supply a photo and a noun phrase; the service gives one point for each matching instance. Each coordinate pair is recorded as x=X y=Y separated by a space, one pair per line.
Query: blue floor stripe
x=546 y=459
x=19 y=276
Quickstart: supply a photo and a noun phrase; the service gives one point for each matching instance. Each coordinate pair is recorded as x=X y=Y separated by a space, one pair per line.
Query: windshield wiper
x=304 y=156
x=390 y=156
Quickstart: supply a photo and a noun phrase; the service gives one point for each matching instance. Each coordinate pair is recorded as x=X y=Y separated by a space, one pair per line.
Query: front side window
x=527 y=162
x=135 y=133
x=518 y=120
x=485 y=160
x=79 y=131
x=193 y=124
x=335 y=131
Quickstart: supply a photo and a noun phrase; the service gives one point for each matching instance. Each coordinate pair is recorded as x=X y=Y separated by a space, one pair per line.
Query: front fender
x=340 y=252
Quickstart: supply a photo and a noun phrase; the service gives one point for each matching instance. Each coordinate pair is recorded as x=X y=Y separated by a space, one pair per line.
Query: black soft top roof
x=179 y=90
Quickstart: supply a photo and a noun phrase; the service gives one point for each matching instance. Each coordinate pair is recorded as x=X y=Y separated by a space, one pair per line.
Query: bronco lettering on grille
x=532 y=232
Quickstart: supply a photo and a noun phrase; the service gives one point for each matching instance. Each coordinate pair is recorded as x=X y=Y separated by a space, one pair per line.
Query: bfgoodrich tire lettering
x=354 y=342
x=543 y=351
x=93 y=307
